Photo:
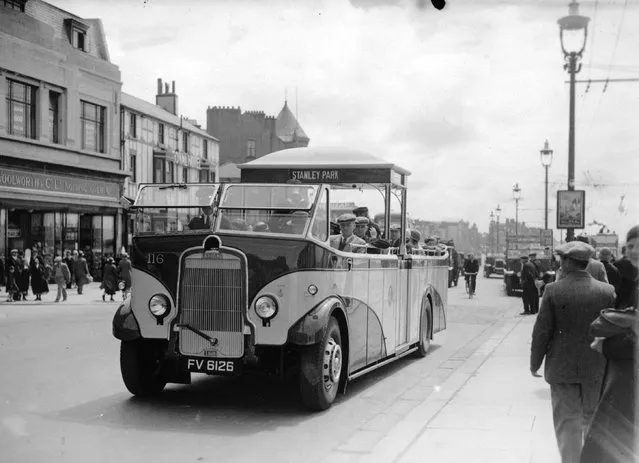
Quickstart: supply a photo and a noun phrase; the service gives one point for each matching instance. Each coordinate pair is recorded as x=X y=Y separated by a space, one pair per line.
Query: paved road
x=62 y=398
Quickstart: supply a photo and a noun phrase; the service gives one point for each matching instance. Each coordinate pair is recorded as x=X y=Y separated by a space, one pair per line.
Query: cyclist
x=471 y=268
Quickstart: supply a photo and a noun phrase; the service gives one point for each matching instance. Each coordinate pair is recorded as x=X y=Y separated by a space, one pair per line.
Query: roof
x=229 y=170
x=321 y=158
x=287 y=127
x=161 y=114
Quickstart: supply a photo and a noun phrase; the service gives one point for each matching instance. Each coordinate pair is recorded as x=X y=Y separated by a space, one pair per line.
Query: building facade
x=159 y=146
x=248 y=135
x=60 y=163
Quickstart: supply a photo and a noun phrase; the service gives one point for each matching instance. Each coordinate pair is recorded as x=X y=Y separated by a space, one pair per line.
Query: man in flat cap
x=594 y=268
x=347 y=238
x=612 y=272
x=529 y=297
x=363 y=212
x=561 y=336
x=361 y=227
x=395 y=235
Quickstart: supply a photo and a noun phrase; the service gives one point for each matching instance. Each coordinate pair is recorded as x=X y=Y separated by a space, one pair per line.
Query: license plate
x=214 y=366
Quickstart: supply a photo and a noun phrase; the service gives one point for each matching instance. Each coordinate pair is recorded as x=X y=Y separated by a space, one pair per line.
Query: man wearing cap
x=346 y=239
x=413 y=240
x=529 y=297
x=612 y=272
x=560 y=336
x=395 y=236
x=13 y=274
x=595 y=268
x=363 y=212
x=361 y=227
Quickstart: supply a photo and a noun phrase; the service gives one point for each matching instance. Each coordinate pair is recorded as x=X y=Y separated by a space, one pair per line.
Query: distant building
x=248 y=135
x=159 y=146
x=60 y=172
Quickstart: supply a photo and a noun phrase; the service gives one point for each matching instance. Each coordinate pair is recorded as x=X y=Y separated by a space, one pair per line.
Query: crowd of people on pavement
x=30 y=268
x=586 y=336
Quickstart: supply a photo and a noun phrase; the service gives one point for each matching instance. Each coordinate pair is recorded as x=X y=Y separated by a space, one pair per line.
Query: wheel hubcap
x=332 y=363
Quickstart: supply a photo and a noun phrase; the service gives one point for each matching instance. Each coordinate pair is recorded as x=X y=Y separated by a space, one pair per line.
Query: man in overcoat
x=529 y=296
x=561 y=337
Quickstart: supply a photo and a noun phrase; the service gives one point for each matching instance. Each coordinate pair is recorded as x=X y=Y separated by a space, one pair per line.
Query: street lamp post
x=492 y=220
x=497 y=212
x=570 y=29
x=517 y=197
x=546 y=160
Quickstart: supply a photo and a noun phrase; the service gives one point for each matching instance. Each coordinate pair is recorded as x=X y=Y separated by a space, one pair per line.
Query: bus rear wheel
x=425 y=329
x=141 y=366
x=321 y=367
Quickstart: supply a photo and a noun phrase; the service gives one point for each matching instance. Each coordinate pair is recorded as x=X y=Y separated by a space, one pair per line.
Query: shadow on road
x=220 y=405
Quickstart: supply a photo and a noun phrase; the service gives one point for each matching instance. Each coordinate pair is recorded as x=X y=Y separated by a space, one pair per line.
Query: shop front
x=70 y=210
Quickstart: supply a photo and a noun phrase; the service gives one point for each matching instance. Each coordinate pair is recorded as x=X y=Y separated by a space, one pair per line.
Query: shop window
x=54 y=117
x=21 y=100
x=71 y=232
x=108 y=235
x=185 y=142
x=133 y=125
x=92 y=121
x=250 y=148
x=134 y=168
x=185 y=174
x=205 y=149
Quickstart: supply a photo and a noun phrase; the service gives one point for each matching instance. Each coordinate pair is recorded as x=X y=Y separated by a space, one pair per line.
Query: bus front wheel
x=321 y=368
x=141 y=366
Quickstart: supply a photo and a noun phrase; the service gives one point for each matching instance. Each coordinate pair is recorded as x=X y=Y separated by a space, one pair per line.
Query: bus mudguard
x=125 y=326
x=310 y=328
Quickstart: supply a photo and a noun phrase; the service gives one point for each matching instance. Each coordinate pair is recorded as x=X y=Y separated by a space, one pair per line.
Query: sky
x=464 y=97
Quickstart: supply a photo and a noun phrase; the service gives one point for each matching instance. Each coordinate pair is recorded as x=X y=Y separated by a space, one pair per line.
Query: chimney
x=167 y=100
x=173 y=87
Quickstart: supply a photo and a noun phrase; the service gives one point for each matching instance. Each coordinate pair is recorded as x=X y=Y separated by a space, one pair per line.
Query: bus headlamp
x=266 y=307
x=159 y=305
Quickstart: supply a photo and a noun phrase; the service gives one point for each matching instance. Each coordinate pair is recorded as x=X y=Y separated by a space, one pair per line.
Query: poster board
x=571 y=209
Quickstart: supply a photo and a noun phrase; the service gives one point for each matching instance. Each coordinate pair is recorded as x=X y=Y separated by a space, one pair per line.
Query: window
x=204 y=176
x=159 y=170
x=133 y=125
x=319 y=230
x=185 y=142
x=79 y=39
x=15 y=4
x=54 y=114
x=92 y=119
x=250 y=148
x=185 y=174
x=170 y=177
x=22 y=109
x=161 y=134
x=205 y=148
x=134 y=168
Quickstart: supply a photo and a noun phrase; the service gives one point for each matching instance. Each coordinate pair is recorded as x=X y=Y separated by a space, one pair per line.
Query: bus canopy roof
x=322 y=165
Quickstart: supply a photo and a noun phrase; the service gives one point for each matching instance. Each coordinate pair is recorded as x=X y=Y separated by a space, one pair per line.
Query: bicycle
x=468 y=291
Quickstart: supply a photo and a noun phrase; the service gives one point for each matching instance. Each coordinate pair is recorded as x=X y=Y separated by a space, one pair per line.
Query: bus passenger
x=347 y=238
x=361 y=227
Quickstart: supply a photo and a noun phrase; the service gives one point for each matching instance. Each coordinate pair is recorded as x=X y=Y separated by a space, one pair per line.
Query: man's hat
x=532 y=254
x=380 y=244
x=346 y=218
x=360 y=210
x=415 y=235
x=14 y=251
x=260 y=227
x=577 y=250
x=523 y=257
x=362 y=221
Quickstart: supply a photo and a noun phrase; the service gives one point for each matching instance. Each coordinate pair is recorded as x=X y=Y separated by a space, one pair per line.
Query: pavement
x=91 y=293
x=488 y=408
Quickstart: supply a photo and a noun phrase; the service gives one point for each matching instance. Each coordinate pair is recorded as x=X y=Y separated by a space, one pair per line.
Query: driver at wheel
x=471 y=266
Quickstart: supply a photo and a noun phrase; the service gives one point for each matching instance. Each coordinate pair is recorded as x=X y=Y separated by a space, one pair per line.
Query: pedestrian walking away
x=530 y=295
x=561 y=336
x=109 y=279
x=612 y=437
x=81 y=272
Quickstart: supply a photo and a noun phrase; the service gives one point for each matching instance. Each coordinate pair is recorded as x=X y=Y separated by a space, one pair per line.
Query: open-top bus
x=260 y=288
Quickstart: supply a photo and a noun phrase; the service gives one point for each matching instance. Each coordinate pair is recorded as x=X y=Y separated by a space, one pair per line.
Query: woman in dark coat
x=613 y=433
x=13 y=268
x=25 y=276
x=109 y=278
x=39 y=284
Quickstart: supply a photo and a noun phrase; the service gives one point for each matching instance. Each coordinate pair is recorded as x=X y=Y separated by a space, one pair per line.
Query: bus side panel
x=357 y=287
x=376 y=304
x=403 y=301
x=391 y=297
x=417 y=287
